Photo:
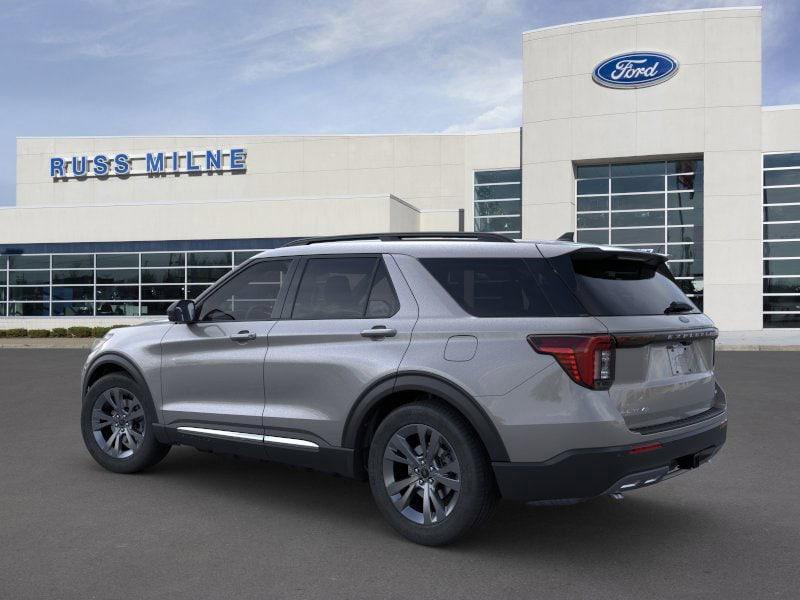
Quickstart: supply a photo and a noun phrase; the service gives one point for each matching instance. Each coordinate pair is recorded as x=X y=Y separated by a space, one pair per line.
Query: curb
x=51 y=343
x=756 y=348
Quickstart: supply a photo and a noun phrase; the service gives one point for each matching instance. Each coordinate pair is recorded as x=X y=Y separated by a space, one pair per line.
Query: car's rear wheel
x=429 y=474
x=116 y=422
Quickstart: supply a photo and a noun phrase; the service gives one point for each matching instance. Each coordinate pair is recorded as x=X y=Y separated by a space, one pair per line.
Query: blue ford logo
x=635 y=70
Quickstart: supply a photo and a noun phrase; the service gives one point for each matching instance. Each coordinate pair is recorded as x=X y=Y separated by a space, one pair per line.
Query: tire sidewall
x=471 y=459
x=147 y=453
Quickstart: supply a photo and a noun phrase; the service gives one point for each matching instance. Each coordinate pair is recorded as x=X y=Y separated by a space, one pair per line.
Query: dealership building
x=644 y=131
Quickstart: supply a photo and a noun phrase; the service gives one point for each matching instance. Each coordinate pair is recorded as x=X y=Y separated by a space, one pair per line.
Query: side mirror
x=182 y=311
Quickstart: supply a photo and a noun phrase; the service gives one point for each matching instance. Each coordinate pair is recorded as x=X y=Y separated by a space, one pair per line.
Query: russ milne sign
x=151 y=163
x=635 y=70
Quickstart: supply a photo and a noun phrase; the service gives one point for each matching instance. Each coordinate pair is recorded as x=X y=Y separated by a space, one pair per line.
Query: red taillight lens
x=587 y=359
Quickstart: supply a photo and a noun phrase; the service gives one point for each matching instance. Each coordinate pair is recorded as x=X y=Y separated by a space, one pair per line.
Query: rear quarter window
x=503 y=287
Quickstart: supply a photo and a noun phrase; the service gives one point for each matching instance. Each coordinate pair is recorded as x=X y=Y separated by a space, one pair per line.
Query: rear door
x=346 y=324
x=664 y=369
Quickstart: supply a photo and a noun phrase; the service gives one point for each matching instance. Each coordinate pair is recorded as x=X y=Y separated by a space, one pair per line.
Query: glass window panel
x=683 y=182
x=29 y=293
x=637 y=219
x=383 y=301
x=648 y=168
x=637 y=236
x=162 y=259
x=593 y=220
x=206 y=275
x=791 y=159
x=117 y=292
x=196 y=290
x=593 y=237
x=73 y=309
x=334 y=288
x=637 y=201
x=2 y=294
x=2 y=310
x=782 y=303
x=250 y=294
x=23 y=261
x=29 y=278
x=499 y=224
x=210 y=259
x=117 y=276
x=593 y=203
x=28 y=309
x=241 y=256
x=777 y=321
x=83 y=276
x=685 y=199
x=494 y=192
x=782 y=285
x=590 y=171
x=782 y=249
x=73 y=261
x=162 y=292
x=483 y=209
x=73 y=292
x=154 y=309
x=679 y=251
x=163 y=275
x=680 y=234
x=782 y=231
x=2 y=277
x=782 y=213
x=782 y=267
x=782 y=195
x=788 y=177
x=111 y=261
x=637 y=184
x=683 y=217
x=501 y=176
x=684 y=166
x=592 y=186
x=118 y=309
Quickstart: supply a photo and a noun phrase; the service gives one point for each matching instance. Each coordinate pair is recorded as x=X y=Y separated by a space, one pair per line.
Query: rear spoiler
x=554 y=250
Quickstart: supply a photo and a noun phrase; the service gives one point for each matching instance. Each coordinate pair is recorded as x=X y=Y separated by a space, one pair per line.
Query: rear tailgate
x=664 y=361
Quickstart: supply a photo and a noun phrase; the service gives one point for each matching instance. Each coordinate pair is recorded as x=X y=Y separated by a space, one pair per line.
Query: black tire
x=148 y=453
x=477 y=495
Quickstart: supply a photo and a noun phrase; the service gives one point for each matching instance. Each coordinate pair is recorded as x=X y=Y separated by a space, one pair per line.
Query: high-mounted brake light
x=587 y=359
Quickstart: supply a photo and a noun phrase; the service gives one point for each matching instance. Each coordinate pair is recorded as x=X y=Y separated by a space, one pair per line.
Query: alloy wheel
x=118 y=422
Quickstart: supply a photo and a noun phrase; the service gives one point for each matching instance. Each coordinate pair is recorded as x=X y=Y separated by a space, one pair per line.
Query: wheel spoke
x=438 y=509
x=100 y=420
x=135 y=413
x=112 y=439
x=137 y=437
x=402 y=503
x=399 y=444
x=448 y=482
x=398 y=486
x=423 y=444
x=433 y=446
x=426 y=504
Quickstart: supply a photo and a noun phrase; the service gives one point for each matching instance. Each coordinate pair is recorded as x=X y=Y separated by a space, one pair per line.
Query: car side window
x=249 y=295
x=347 y=287
x=383 y=300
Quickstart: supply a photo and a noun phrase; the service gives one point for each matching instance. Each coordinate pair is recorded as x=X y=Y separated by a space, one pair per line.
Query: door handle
x=243 y=336
x=378 y=332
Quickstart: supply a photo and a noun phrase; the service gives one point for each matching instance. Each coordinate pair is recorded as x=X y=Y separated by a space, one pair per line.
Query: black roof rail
x=397 y=237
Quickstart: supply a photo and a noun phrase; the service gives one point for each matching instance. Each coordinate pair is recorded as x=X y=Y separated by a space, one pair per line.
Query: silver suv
x=446 y=369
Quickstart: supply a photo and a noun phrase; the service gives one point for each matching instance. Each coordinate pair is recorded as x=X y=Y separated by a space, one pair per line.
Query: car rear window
x=620 y=285
x=504 y=287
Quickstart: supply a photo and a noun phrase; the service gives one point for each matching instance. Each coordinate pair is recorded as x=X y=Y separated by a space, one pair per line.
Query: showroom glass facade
x=498 y=202
x=781 y=303
x=114 y=284
x=655 y=206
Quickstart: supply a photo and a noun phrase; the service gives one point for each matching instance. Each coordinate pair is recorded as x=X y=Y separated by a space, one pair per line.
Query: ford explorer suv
x=448 y=370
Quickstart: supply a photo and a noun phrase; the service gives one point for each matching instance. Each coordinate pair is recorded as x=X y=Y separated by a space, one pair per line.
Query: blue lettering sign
x=176 y=162
x=154 y=162
x=79 y=167
x=213 y=160
x=190 y=166
x=237 y=159
x=121 y=164
x=56 y=167
x=635 y=70
x=100 y=163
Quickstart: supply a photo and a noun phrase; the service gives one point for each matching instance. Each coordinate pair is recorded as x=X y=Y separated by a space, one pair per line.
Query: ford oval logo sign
x=635 y=70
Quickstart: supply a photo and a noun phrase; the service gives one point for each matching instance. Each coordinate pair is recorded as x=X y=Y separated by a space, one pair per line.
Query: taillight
x=587 y=359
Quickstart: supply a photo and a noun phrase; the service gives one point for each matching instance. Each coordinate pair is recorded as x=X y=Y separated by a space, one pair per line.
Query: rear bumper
x=590 y=472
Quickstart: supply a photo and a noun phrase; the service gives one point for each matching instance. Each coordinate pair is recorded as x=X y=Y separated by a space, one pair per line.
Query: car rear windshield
x=504 y=287
x=621 y=285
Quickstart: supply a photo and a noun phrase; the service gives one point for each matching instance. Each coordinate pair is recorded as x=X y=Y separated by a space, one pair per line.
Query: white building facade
x=685 y=161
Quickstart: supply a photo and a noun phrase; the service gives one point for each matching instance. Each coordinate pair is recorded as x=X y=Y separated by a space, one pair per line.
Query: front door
x=346 y=326
x=213 y=370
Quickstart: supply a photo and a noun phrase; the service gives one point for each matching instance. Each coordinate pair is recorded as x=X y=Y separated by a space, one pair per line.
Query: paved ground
x=201 y=526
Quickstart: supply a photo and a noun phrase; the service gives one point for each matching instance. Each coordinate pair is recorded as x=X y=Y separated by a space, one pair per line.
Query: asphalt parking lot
x=203 y=526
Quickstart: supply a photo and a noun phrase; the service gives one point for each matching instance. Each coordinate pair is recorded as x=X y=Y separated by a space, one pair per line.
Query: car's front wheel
x=116 y=423
x=429 y=474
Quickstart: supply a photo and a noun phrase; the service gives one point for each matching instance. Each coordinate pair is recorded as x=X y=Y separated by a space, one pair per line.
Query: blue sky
x=105 y=67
